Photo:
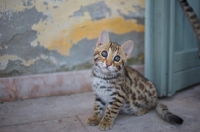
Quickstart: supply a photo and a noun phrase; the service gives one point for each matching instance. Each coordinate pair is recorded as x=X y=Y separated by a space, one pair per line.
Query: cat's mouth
x=105 y=69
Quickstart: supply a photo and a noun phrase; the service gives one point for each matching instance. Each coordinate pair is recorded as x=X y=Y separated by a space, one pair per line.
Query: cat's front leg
x=98 y=112
x=111 y=113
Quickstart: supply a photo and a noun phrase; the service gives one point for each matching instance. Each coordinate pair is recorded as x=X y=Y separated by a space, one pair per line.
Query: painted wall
x=46 y=36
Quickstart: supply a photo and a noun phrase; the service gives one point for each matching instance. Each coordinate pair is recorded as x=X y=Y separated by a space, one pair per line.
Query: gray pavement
x=69 y=113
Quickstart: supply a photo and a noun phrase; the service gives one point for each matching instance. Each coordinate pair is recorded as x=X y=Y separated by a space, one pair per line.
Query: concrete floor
x=69 y=113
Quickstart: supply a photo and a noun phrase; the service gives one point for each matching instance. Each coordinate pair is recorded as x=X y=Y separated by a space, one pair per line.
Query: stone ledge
x=52 y=84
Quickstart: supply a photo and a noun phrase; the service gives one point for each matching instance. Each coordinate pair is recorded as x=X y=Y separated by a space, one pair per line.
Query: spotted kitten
x=120 y=88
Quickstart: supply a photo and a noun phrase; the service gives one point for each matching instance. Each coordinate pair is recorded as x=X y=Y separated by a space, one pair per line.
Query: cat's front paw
x=93 y=121
x=105 y=125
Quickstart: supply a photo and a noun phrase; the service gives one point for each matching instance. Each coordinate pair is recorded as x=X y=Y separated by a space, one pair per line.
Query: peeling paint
x=15 y=5
x=6 y=58
x=124 y=6
x=44 y=36
x=98 y=10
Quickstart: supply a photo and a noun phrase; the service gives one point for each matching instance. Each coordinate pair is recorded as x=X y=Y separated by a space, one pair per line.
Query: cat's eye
x=104 y=53
x=117 y=58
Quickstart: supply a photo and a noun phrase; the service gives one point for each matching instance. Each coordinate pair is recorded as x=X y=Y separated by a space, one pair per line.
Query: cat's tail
x=166 y=115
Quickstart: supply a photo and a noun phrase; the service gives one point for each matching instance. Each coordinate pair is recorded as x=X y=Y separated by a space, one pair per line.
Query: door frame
x=157 y=38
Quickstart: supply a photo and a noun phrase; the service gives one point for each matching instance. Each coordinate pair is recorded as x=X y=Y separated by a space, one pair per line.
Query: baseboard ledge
x=51 y=84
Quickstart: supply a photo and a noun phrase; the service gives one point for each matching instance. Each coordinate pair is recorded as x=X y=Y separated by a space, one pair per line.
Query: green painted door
x=171 y=47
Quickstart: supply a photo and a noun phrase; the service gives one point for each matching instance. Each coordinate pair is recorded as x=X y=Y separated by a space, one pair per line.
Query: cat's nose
x=108 y=64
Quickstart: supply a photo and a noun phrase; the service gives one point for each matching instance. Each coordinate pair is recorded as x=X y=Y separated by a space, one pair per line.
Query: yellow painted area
x=91 y=30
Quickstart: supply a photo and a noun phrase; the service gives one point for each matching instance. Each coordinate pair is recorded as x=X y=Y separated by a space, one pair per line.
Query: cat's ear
x=127 y=47
x=103 y=39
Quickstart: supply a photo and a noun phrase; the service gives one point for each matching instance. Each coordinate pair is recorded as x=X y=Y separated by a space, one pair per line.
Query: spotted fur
x=119 y=88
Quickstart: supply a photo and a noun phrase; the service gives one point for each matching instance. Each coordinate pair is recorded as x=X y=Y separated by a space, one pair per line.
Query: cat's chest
x=103 y=89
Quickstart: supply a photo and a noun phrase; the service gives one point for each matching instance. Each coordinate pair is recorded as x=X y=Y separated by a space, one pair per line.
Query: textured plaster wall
x=42 y=36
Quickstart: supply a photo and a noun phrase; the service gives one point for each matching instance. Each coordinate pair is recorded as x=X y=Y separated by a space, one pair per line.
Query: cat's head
x=110 y=57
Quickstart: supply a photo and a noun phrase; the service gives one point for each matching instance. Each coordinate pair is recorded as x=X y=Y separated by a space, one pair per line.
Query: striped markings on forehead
x=114 y=46
x=111 y=53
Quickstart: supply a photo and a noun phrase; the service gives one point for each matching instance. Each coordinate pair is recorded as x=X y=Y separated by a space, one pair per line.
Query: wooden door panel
x=184 y=79
x=186 y=59
x=171 y=47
